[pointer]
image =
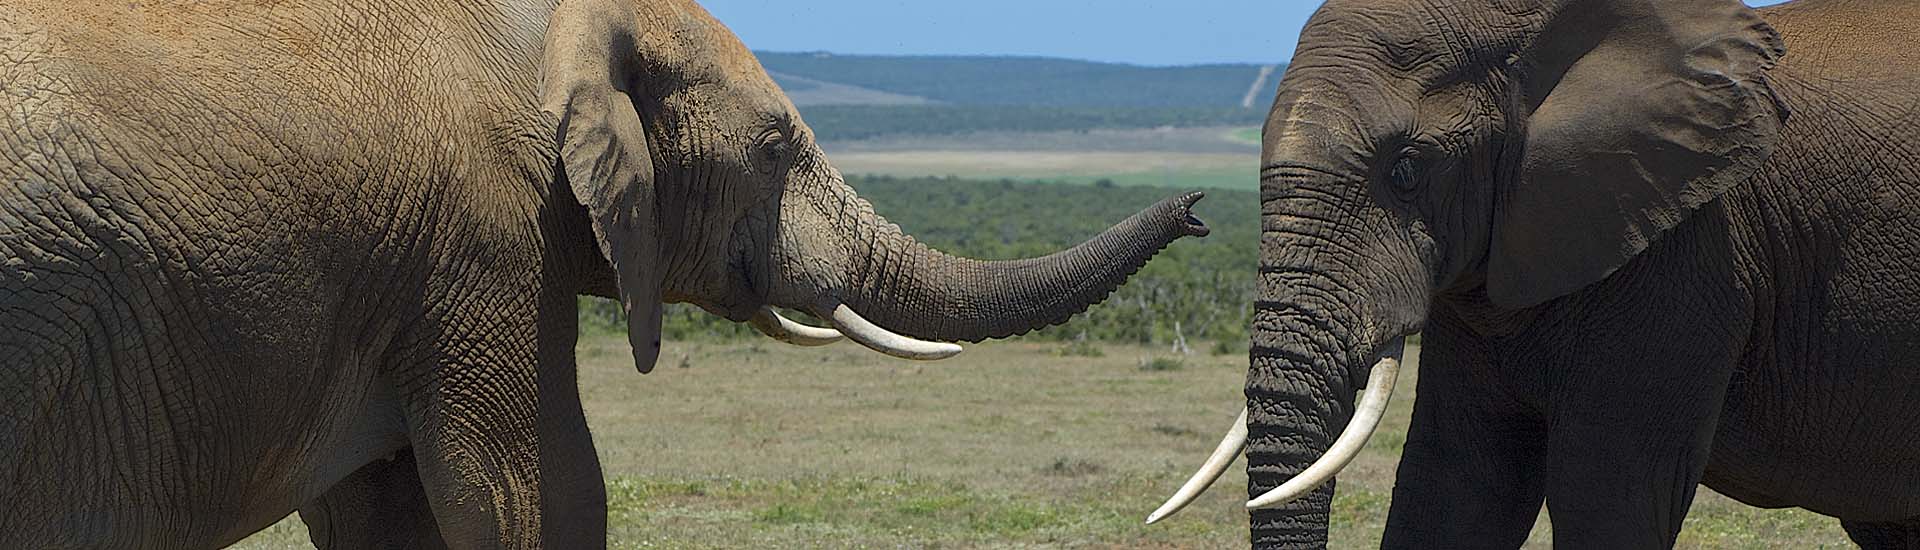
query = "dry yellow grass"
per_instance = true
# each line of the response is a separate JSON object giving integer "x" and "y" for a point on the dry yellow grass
{"x": 1010, "y": 445}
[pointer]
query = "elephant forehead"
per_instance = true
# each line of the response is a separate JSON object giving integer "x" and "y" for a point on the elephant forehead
{"x": 1422, "y": 35}
{"x": 684, "y": 38}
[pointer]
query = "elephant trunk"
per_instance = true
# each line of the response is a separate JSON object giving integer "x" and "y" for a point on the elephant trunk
{"x": 898, "y": 283}
{"x": 1298, "y": 397}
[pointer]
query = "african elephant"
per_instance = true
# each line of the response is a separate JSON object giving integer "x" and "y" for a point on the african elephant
{"x": 1648, "y": 245}
{"x": 251, "y": 248}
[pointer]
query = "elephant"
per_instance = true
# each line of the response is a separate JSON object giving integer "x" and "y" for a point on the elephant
{"x": 1647, "y": 245}
{"x": 260, "y": 256}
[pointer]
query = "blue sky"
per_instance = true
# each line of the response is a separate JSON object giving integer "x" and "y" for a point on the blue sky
{"x": 1149, "y": 32}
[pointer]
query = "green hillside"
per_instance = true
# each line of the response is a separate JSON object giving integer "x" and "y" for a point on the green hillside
{"x": 855, "y": 122}
{"x": 1034, "y": 81}
{"x": 1204, "y": 285}
{"x": 855, "y": 97}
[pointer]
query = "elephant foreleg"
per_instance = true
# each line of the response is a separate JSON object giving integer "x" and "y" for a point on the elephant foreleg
{"x": 1469, "y": 476}
{"x": 379, "y": 506}
{"x": 1631, "y": 430}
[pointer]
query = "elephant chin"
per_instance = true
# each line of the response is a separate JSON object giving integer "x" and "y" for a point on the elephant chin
{"x": 1366, "y": 418}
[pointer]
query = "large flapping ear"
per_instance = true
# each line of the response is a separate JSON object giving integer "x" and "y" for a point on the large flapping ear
{"x": 587, "y": 84}
{"x": 1646, "y": 109}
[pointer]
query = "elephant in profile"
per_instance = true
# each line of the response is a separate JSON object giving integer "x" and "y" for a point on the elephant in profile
{"x": 257, "y": 256}
{"x": 1648, "y": 245}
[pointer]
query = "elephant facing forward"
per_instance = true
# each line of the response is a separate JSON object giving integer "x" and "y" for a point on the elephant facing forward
{"x": 253, "y": 249}
{"x": 1649, "y": 244}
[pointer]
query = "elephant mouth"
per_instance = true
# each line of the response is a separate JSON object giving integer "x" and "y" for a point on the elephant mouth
{"x": 1366, "y": 417}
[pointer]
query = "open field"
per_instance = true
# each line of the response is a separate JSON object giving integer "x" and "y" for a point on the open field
{"x": 1147, "y": 168}
{"x": 1230, "y": 140}
{"x": 1010, "y": 445}
{"x": 1219, "y": 158}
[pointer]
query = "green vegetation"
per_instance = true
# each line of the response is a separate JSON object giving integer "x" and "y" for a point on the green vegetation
{"x": 1009, "y": 445}
{"x": 1162, "y": 364}
{"x": 1037, "y": 81}
{"x": 856, "y": 122}
{"x": 1204, "y": 287}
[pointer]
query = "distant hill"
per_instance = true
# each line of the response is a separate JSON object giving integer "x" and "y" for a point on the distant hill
{"x": 807, "y": 91}
{"x": 1032, "y": 81}
{"x": 850, "y": 97}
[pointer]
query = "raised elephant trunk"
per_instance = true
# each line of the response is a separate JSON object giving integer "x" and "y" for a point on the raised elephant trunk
{"x": 905, "y": 286}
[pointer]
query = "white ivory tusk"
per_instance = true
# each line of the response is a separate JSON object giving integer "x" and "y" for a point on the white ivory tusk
{"x": 884, "y": 341}
{"x": 1229, "y": 449}
{"x": 1366, "y": 417}
{"x": 778, "y": 327}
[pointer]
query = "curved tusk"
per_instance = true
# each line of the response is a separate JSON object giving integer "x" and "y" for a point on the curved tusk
{"x": 1229, "y": 449}
{"x": 885, "y": 341}
{"x": 778, "y": 327}
{"x": 1373, "y": 404}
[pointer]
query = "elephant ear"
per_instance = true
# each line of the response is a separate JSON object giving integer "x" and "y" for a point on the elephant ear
{"x": 1642, "y": 110}
{"x": 587, "y": 84}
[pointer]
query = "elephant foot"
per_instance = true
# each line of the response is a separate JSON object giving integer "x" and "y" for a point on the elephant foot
{"x": 1900, "y": 535}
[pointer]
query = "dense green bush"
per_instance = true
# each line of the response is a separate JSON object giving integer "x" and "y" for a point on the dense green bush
{"x": 1203, "y": 286}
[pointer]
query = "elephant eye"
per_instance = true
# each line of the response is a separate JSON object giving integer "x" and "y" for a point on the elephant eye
{"x": 774, "y": 144}
{"x": 1405, "y": 175}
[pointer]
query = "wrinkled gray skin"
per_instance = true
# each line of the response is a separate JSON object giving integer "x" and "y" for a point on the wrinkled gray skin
{"x": 258, "y": 255}
{"x": 1650, "y": 244}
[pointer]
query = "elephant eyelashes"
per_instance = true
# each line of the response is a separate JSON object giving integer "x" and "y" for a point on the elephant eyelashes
{"x": 775, "y": 146}
{"x": 1405, "y": 176}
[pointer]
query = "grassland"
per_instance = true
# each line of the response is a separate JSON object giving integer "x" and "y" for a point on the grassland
{"x": 1010, "y": 445}
{"x": 1144, "y": 168}
{"x": 1211, "y": 157}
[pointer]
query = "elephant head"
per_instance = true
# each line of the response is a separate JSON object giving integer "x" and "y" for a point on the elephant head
{"x": 1500, "y": 154}
{"x": 704, "y": 186}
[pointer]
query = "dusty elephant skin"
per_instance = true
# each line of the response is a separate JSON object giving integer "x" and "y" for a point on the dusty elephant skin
{"x": 1649, "y": 244}
{"x": 260, "y": 256}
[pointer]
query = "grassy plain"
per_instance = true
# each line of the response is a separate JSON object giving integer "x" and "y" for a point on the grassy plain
{"x": 1221, "y": 158}
{"x": 1010, "y": 445}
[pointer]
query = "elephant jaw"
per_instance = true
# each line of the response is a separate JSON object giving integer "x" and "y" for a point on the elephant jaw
{"x": 1366, "y": 418}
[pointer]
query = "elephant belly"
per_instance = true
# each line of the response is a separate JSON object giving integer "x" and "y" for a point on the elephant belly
{"x": 1840, "y": 438}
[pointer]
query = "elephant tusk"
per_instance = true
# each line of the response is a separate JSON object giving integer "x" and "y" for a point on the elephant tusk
{"x": 884, "y": 341}
{"x": 772, "y": 324}
{"x": 1229, "y": 449}
{"x": 1373, "y": 404}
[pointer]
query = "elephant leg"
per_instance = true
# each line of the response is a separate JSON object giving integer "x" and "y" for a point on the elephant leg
{"x": 1469, "y": 475}
{"x": 502, "y": 444}
{"x": 1631, "y": 430}
{"x": 1901, "y": 535}
{"x": 379, "y": 506}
